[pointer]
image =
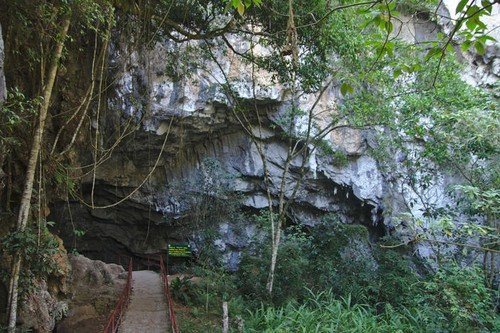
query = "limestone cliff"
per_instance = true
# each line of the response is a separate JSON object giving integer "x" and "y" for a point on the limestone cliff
{"x": 185, "y": 121}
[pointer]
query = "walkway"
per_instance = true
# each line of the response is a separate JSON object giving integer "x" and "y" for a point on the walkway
{"x": 147, "y": 311}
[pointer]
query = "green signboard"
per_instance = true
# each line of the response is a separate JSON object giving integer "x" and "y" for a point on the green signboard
{"x": 179, "y": 250}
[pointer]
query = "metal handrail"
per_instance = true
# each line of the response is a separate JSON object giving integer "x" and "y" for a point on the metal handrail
{"x": 166, "y": 289}
{"x": 115, "y": 317}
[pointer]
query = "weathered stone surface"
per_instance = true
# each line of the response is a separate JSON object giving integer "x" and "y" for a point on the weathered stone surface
{"x": 41, "y": 309}
{"x": 196, "y": 113}
{"x": 190, "y": 106}
{"x": 94, "y": 287}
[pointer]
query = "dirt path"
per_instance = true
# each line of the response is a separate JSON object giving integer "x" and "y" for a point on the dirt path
{"x": 147, "y": 311}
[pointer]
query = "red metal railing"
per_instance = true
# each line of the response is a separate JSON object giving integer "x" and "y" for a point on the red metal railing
{"x": 117, "y": 314}
{"x": 170, "y": 301}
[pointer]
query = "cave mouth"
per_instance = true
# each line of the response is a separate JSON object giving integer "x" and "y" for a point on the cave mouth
{"x": 352, "y": 210}
{"x": 134, "y": 229}
{"x": 128, "y": 230}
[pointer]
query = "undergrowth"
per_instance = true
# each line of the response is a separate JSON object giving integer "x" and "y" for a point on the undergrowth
{"x": 331, "y": 280}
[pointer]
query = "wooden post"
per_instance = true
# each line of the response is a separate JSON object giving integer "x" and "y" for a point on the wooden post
{"x": 225, "y": 318}
{"x": 168, "y": 254}
{"x": 241, "y": 324}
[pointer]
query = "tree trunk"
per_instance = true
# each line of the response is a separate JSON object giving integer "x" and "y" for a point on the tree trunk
{"x": 25, "y": 204}
{"x": 225, "y": 318}
{"x": 274, "y": 255}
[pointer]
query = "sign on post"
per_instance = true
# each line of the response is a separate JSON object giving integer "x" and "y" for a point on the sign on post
{"x": 179, "y": 250}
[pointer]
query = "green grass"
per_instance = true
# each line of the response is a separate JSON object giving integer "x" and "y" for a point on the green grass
{"x": 324, "y": 313}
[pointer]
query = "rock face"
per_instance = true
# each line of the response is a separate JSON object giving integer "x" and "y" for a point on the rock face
{"x": 482, "y": 70}
{"x": 41, "y": 310}
{"x": 78, "y": 298}
{"x": 192, "y": 138}
{"x": 46, "y": 304}
{"x": 207, "y": 154}
{"x": 94, "y": 287}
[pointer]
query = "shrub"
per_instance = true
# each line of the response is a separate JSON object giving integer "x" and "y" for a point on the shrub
{"x": 324, "y": 313}
{"x": 342, "y": 260}
{"x": 292, "y": 269}
{"x": 461, "y": 297}
{"x": 37, "y": 249}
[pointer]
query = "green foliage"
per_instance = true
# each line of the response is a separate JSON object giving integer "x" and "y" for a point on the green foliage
{"x": 204, "y": 295}
{"x": 15, "y": 112}
{"x": 324, "y": 313}
{"x": 340, "y": 158}
{"x": 384, "y": 290}
{"x": 37, "y": 249}
{"x": 471, "y": 19}
{"x": 333, "y": 256}
{"x": 451, "y": 128}
{"x": 242, "y": 5}
{"x": 382, "y": 82}
{"x": 340, "y": 259}
{"x": 63, "y": 182}
{"x": 452, "y": 300}
{"x": 460, "y": 296}
{"x": 343, "y": 260}
{"x": 291, "y": 269}
{"x": 181, "y": 289}
{"x": 485, "y": 202}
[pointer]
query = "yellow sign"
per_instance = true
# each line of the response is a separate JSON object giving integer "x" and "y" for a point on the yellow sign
{"x": 179, "y": 250}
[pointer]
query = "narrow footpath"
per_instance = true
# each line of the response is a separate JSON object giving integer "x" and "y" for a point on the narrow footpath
{"x": 147, "y": 311}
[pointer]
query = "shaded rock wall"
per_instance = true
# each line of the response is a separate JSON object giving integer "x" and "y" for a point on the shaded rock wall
{"x": 94, "y": 288}
{"x": 185, "y": 118}
{"x": 193, "y": 114}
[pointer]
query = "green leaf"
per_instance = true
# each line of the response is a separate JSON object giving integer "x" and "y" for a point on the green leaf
{"x": 473, "y": 11}
{"x": 479, "y": 46}
{"x": 346, "y": 88}
{"x": 433, "y": 52}
{"x": 417, "y": 67}
{"x": 487, "y": 6}
{"x": 390, "y": 48}
{"x": 397, "y": 72}
{"x": 465, "y": 45}
{"x": 389, "y": 27}
{"x": 471, "y": 24}
{"x": 241, "y": 8}
{"x": 485, "y": 38}
{"x": 461, "y": 6}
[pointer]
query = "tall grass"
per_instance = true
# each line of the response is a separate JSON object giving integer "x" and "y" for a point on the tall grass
{"x": 323, "y": 313}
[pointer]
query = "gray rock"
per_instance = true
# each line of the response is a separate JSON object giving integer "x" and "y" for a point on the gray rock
{"x": 199, "y": 117}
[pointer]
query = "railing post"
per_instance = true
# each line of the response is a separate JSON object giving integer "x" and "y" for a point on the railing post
{"x": 117, "y": 314}
{"x": 171, "y": 313}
